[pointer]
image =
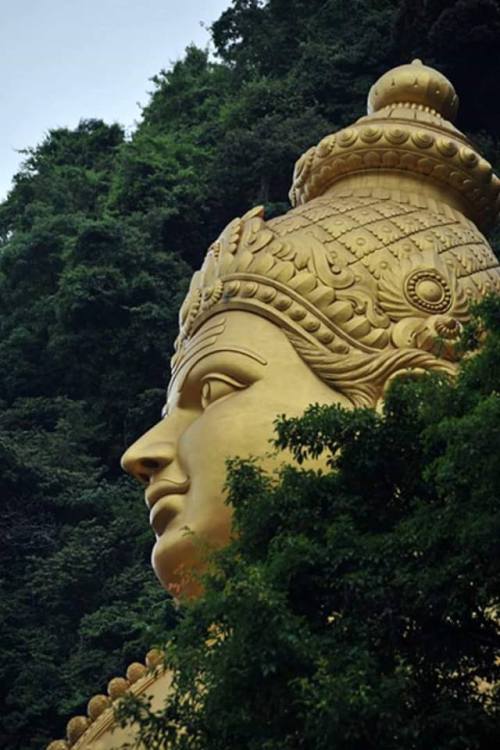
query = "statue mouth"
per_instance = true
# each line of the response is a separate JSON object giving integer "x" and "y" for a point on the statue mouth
{"x": 164, "y": 498}
{"x": 161, "y": 487}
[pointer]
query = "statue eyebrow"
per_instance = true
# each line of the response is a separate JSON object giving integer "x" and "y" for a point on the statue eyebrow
{"x": 206, "y": 336}
{"x": 209, "y": 330}
{"x": 199, "y": 354}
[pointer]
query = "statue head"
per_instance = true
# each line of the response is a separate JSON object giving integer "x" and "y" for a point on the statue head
{"x": 371, "y": 274}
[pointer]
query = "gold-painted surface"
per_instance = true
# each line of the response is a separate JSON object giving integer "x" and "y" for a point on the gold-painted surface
{"x": 75, "y": 728}
{"x": 154, "y": 658}
{"x": 99, "y": 730}
{"x": 97, "y": 705}
{"x": 105, "y": 734}
{"x": 415, "y": 84}
{"x": 135, "y": 671}
{"x": 239, "y": 373}
{"x": 405, "y": 143}
{"x": 369, "y": 277}
{"x": 117, "y": 687}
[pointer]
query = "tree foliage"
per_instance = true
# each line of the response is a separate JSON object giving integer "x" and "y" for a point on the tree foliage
{"x": 98, "y": 238}
{"x": 88, "y": 316}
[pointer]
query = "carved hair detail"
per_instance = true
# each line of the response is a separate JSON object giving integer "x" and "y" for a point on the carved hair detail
{"x": 360, "y": 377}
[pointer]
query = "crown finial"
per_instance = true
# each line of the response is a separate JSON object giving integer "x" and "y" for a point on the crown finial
{"x": 414, "y": 83}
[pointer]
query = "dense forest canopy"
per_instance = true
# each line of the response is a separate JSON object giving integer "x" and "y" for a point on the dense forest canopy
{"x": 98, "y": 239}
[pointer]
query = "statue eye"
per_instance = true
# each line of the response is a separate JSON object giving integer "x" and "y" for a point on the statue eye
{"x": 215, "y": 387}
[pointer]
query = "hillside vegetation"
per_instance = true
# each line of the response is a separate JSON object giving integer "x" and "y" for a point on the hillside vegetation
{"x": 98, "y": 238}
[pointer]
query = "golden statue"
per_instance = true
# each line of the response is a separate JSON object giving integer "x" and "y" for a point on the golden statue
{"x": 371, "y": 274}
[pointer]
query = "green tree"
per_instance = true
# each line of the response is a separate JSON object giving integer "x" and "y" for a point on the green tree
{"x": 98, "y": 238}
{"x": 77, "y": 599}
{"x": 88, "y": 318}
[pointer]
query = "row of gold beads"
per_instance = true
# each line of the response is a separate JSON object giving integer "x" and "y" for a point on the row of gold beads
{"x": 117, "y": 687}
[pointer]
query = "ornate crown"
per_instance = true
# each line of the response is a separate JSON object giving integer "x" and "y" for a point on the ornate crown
{"x": 374, "y": 269}
{"x": 361, "y": 285}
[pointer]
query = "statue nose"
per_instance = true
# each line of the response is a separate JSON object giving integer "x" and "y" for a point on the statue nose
{"x": 145, "y": 458}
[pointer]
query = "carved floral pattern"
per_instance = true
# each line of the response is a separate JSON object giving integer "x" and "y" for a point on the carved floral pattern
{"x": 404, "y": 137}
{"x": 421, "y": 284}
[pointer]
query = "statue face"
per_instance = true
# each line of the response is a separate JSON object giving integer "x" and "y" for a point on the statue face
{"x": 238, "y": 373}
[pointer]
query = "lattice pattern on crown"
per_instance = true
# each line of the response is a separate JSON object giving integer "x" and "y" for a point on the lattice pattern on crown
{"x": 344, "y": 272}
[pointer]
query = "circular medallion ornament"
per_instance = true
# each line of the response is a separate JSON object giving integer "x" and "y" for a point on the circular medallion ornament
{"x": 429, "y": 291}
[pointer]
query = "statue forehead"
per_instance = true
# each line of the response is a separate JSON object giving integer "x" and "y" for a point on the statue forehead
{"x": 226, "y": 335}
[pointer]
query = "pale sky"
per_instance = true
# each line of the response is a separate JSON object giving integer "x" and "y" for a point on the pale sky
{"x": 64, "y": 60}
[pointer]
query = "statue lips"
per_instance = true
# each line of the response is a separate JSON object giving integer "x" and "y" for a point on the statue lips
{"x": 164, "y": 499}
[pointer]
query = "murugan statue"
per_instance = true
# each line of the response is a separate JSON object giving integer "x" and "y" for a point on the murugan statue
{"x": 370, "y": 275}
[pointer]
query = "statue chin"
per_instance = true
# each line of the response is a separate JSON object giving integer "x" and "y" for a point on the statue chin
{"x": 176, "y": 568}
{"x": 178, "y": 556}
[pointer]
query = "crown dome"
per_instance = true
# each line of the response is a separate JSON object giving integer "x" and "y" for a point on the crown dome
{"x": 414, "y": 83}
